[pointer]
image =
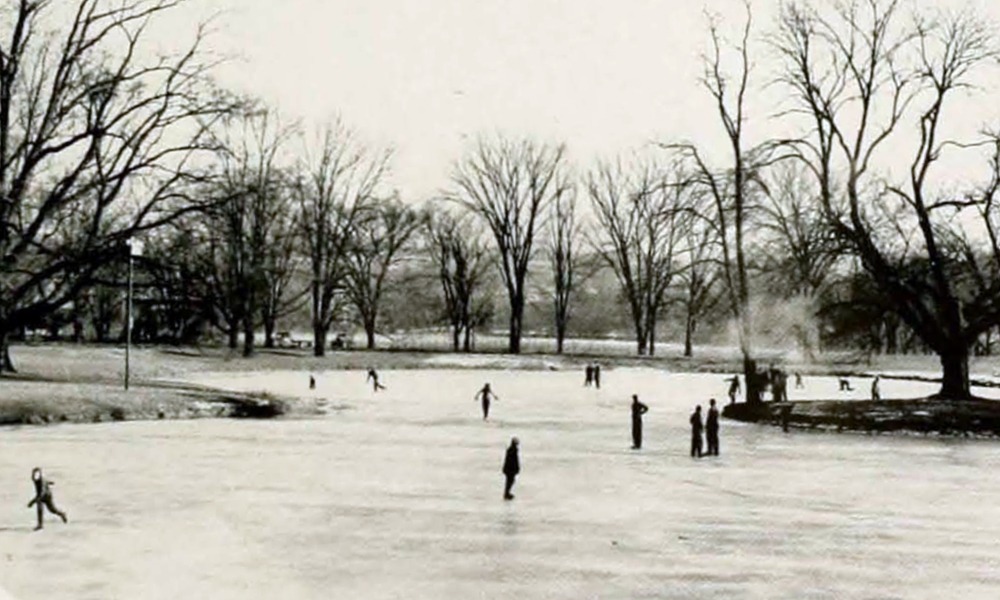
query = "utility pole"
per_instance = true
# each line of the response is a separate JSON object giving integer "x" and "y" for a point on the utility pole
{"x": 134, "y": 249}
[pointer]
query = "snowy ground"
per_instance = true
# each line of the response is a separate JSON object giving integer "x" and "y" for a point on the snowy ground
{"x": 398, "y": 495}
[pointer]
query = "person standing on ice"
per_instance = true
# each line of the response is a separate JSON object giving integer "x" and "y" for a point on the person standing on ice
{"x": 588, "y": 374}
{"x": 485, "y": 393}
{"x": 638, "y": 409}
{"x": 734, "y": 388}
{"x": 876, "y": 395}
{"x": 43, "y": 498}
{"x": 312, "y": 382}
{"x": 712, "y": 429}
{"x": 696, "y": 429}
{"x": 511, "y": 467}
{"x": 597, "y": 376}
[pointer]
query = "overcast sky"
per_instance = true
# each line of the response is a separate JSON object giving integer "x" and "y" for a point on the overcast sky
{"x": 425, "y": 76}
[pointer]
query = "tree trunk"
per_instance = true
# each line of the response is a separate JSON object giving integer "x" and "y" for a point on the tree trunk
{"x": 688, "y": 335}
{"x": 319, "y": 339}
{"x": 269, "y": 326}
{"x": 753, "y": 385}
{"x": 560, "y": 335}
{"x": 370, "y": 334}
{"x": 6, "y": 364}
{"x": 467, "y": 342}
{"x": 234, "y": 336}
{"x": 955, "y": 379}
{"x": 248, "y": 336}
{"x": 516, "y": 314}
{"x": 456, "y": 336}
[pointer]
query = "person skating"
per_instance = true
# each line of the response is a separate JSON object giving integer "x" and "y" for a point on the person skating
{"x": 511, "y": 467}
{"x": 588, "y": 374}
{"x": 696, "y": 429}
{"x": 312, "y": 382}
{"x": 638, "y": 409}
{"x": 597, "y": 375}
{"x": 43, "y": 498}
{"x": 876, "y": 394}
{"x": 798, "y": 381}
{"x": 712, "y": 429}
{"x": 485, "y": 393}
{"x": 373, "y": 377}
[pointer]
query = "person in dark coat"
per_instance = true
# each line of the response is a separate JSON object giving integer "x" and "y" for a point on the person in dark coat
{"x": 734, "y": 388}
{"x": 511, "y": 467}
{"x": 876, "y": 394}
{"x": 696, "y": 429}
{"x": 638, "y": 409}
{"x": 597, "y": 376}
{"x": 43, "y": 498}
{"x": 712, "y": 429}
{"x": 588, "y": 375}
{"x": 312, "y": 382}
{"x": 373, "y": 377}
{"x": 485, "y": 393}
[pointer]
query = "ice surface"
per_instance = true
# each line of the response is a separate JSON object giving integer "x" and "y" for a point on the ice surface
{"x": 398, "y": 495}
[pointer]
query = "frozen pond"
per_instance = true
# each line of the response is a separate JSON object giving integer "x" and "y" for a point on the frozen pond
{"x": 398, "y": 495}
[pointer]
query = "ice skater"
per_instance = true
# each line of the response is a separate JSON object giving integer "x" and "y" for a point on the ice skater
{"x": 712, "y": 429}
{"x": 43, "y": 498}
{"x": 638, "y": 409}
{"x": 734, "y": 388}
{"x": 696, "y": 429}
{"x": 485, "y": 393}
{"x": 588, "y": 374}
{"x": 798, "y": 381}
{"x": 876, "y": 395}
{"x": 845, "y": 385}
{"x": 373, "y": 377}
{"x": 511, "y": 467}
{"x": 597, "y": 375}
{"x": 312, "y": 382}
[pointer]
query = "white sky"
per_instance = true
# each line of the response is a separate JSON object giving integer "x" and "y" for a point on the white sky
{"x": 425, "y": 76}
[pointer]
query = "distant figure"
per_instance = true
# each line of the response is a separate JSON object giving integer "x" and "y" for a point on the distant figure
{"x": 712, "y": 429}
{"x": 43, "y": 498}
{"x": 786, "y": 415}
{"x": 511, "y": 467}
{"x": 845, "y": 385}
{"x": 589, "y": 375}
{"x": 876, "y": 396}
{"x": 696, "y": 429}
{"x": 638, "y": 409}
{"x": 734, "y": 388}
{"x": 312, "y": 382}
{"x": 779, "y": 385}
{"x": 597, "y": 375}
{"x": 798, "y": 381}
{"x": 373, "y": 377}
{"x": 486, "y": 392}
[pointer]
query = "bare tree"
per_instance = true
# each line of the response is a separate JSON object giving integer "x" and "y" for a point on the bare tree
{"x": 641, "y": 222}
{"x": 509, "y": 185}
{"x": 377, "y": 246}
{"x": 339, "y": 181}
{"x": 700, "y": 274}
{"x": 564, "y": 235}
{"x": 282, "y": 264}
{"x": 801, "y": 249}
{"x": 96, "y": 144}
{"x": 733, "y": 189}
{"x": 871, "y": 84}
{"x": 461, "y": 261}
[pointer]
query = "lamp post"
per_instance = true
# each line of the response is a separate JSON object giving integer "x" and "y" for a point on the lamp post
{"x": 134, "y": 249}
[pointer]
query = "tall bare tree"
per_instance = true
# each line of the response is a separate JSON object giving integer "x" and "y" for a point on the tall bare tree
{"x": 340, "y": 180}
{"x": 563, "y": 250}
{"x": 872, "y": 82}
{"x": 509, "y": 185}
{"x": 461, "y": 260}
{"x": 378, "y": 245}
{"x": 641, "y": 219}
{"x": 733, "y": 189}
{"x": 96, "y": 144}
